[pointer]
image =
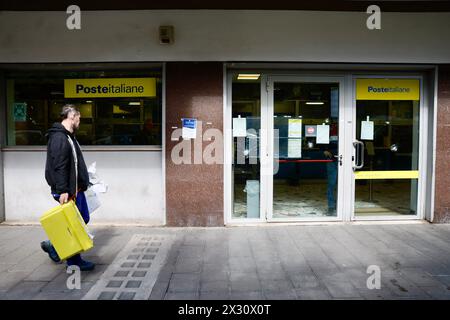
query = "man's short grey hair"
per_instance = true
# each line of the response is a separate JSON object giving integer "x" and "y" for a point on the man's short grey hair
{"x": 67, "y": 109}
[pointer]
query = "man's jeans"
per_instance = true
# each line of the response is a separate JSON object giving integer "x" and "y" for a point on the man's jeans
{"x": 332, "y": 182}
{"x": 82, "y": 207}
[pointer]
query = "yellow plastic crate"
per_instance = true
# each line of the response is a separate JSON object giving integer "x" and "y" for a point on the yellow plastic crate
{"x": 66, "y": 230}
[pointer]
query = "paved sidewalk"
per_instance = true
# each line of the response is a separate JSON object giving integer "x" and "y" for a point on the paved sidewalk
{"x": 267, "y": 262}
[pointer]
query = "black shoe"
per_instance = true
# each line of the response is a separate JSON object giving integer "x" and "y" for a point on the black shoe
{"x": 85, "y": 265}
{"x": 48, "y": 248}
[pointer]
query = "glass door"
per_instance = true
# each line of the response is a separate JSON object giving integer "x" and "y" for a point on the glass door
{"x": 304, "y": 142}
{"x": 324, "y": 148}
{"x": 386, "y": 148}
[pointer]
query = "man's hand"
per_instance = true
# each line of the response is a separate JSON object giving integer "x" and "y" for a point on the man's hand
{"x": 63, "y": 198}
{"x": 328, "y": 154}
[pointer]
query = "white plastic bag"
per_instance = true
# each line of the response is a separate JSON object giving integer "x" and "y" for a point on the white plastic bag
{"x": 98, "y": 185}
{"x": 93, "y": 202}
{"x": 92, "y": 170}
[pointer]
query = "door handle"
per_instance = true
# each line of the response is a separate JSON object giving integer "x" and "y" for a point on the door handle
{"x": 359, "y": 155}
{"x": 340, "y": 159}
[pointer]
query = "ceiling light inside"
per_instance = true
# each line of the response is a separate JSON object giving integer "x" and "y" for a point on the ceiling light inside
{"x": 315, "y": 102}
{"x": 248, "y": 76}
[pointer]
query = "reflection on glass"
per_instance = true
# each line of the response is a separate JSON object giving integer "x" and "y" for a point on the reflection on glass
{"x": 246, "y": 113}
{"x": 394, "y": 147}
{"x": 305, "y": 185}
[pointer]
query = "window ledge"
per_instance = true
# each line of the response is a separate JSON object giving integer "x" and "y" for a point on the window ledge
{"x": 85, "y": 148}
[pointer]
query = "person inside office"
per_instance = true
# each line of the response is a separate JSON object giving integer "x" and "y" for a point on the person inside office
{"x": 331, "y": 153}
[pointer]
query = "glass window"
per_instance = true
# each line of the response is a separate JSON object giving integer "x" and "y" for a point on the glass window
{"x": 35, "y": 99}
{"x": 246, "y": 113}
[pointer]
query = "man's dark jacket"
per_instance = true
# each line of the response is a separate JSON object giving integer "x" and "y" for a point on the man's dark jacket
{"x": 60, "y": 165}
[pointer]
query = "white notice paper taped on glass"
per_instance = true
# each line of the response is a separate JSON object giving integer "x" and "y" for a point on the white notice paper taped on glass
{"x": 295, "y": 128}
{"x": 294, "y": 148}
{"x": 239, "y": 127}
{"x": 323, "y": 134}
{"x": 367, "y": 130}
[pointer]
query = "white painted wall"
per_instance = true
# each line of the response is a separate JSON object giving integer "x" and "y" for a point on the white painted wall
{"x": 134, "y": 178}
{"x": 229, "y": 35}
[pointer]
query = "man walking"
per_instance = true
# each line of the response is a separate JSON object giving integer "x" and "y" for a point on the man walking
{"x": 66, "y": 174}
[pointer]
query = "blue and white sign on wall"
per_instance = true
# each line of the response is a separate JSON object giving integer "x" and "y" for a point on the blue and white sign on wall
{"x": 20, "y": 112}
{"x": 189, "y": 128}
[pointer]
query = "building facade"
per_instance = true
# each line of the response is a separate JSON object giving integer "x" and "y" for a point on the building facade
{"x": 300, "y": 115}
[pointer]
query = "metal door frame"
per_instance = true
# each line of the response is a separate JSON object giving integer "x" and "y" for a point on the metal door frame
{"x": 268, "y": 188}
{"x": 422, "y": 156}
{"x": 347, "y": 132}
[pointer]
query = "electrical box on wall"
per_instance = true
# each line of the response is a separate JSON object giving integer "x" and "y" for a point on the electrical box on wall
{"x": 166, "y": 34}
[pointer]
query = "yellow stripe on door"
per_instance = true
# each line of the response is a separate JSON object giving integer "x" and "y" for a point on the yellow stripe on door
{"x": 406, "y": 174}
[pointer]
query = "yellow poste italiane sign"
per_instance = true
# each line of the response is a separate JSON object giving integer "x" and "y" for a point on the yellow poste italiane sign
{"x": 387, "y": 89}
{"x": 110, "y": 88}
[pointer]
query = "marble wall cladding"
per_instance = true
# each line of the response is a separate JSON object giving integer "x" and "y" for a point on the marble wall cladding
{"x": 194, "y": 192}
{"x": 442, "y": 194}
